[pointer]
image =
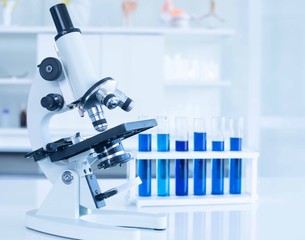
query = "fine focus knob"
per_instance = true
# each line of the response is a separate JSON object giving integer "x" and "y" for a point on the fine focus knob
{"x": 52, "y": 102}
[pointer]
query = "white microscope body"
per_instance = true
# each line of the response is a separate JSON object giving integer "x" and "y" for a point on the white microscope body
{"x": 65, "y": 84}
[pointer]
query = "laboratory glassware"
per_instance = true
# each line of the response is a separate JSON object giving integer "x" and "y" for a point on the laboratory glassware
{"x": 5, "y": 121}
{"x": 181, "y": 165}
{"x": 236, "y": 135}
{"x": 144, "y": 166}
{"x": 199, "y": 172}
{"x": 128, "y": 7}
{"x": 163, "y": 165}
{"x": 218, "y": 144}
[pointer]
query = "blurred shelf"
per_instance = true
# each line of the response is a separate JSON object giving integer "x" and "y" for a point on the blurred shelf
{"x": 196, "y": 83}
{"x": 123, "y": 30}
{"x": 15, "y": 81}
{"x": 277, "y": 122}
{"x": 14, "y": 140}
{"x": 13, "y": 132}
{"x": 26, "y": 30}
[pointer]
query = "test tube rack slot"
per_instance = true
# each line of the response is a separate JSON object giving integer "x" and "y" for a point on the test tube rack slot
{"x": 249, "y": 194}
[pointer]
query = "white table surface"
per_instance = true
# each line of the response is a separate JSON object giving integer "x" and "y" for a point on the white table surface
{"x": 279, "y": 214}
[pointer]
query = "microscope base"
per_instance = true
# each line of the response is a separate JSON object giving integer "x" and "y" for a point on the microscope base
{"x": 103, "y": 223}
{"x": 78, "y": 229}
{"x": 127, "y": 219}
{"x": 61, "y": 214}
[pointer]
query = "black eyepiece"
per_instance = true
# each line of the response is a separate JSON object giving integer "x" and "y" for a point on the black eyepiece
{"x": 62, "y": 20}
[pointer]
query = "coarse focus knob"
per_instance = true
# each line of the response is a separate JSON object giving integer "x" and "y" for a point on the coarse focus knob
{"x": 52, "y": 102}
{"x": 50, "y": 69}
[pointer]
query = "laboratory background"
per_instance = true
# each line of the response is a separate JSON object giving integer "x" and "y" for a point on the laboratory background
{"x": 233, "y": 58}
{"x": 251, "y": 66}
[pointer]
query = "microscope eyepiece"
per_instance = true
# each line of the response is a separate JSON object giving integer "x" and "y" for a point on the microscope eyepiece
{"x": 62, "y": 20}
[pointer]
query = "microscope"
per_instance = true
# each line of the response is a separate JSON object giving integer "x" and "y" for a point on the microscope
{"x": 72, "y": 209}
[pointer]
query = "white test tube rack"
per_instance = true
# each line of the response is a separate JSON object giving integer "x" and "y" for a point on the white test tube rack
{"x": 249, "y": 179}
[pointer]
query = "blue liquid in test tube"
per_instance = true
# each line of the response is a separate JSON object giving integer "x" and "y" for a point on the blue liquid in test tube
{"x": 199, "y": 164}
{"x": 181, "y": 170}
{"x": 235, "y": 166}
{"x": 163, "y": 165}
{"x": 144, "y": 166}
{"x": 217, "y": 169}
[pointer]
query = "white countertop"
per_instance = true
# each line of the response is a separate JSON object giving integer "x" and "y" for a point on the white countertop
{"x": 278, "y": 215}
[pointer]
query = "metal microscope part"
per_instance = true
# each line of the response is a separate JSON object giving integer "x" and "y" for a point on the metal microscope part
{"x": 50, "y": 69}
{"x": 82, "y": 78}
{"x": 124, "y": 102}
{"x": 92, "y": 103}
{"x": 109, "y": 100}
{"x": 104, "y": 92}
{"x": 52, "y": 147}
{"x": 119, "y": 132}
{"x": 67, "y": 210}
{"x": 52, "y": 102}
{"x": 109, "y": 193}
{"x": 62, "y": 20}
{"x": 95, "y": 190}
{"x": 96, "y": 115}
{"x": 111, "y": 154}
{"x": 96, "y": 87}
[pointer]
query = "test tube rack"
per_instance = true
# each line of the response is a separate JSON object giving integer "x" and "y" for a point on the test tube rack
{"x": 248, "y": 195}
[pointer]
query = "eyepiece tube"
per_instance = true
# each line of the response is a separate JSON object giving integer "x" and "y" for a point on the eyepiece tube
{"x": 62, "y": 20}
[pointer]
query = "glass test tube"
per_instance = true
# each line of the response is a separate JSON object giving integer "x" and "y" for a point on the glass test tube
{"x": 181, "y": 165}
{"x": 218, "y": 126}
{"x": 163, "y": 165}
{"x": 199, "y": 164}
{"x": 236, "y": 134}
{"x": 144, "y": 166}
